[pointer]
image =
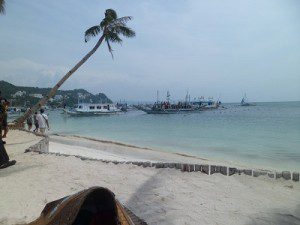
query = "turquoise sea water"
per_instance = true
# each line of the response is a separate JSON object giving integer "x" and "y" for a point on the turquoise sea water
{"x": 266, "y": 135}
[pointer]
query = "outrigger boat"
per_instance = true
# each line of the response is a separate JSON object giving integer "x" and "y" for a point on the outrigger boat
{"x": 245, "y": 102}
{"x": 187, "y": 106}
{"x": 89, "y": 109}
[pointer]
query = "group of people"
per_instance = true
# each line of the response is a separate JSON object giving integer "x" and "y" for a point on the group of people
{"x": 39, "y": 120}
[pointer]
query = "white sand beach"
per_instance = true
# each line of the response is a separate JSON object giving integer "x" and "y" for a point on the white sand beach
{"x": 159, "y": 196}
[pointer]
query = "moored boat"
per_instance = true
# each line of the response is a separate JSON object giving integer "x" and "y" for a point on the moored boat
{"x": 187, "y": 106}
{"x": 245, "y": 102}
{"x": 89, "y": 109}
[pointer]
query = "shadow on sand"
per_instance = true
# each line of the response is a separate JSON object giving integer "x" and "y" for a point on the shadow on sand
{"x": 15, "y": 169}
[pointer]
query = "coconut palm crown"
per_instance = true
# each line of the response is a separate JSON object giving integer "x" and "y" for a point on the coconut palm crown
{"x": 112, "y": 27}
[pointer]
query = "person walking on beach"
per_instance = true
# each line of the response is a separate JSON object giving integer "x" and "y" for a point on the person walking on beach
{"x": 29, "y": 121}
{"x": 4, "y": 158}
{"x": 4, "y": 106}
{"x": 36, "y": 122}
{"x": 42, "y": 119}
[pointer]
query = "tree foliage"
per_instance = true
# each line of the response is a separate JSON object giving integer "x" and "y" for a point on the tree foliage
{"x": 2, "y": 6}
{"x": 112, "y": 27}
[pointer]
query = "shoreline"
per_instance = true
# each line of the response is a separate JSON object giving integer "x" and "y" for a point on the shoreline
{"x": 194, "y": 158}
{"x": 127, "y": 145}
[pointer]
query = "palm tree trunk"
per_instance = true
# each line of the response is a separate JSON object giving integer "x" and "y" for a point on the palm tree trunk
{"x": 42, "y": 102}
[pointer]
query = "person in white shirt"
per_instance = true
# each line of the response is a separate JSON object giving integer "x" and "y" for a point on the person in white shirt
{"x": 42, "y": 119}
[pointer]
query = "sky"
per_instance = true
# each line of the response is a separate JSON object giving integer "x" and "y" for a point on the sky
{"x": 209, "y": 48}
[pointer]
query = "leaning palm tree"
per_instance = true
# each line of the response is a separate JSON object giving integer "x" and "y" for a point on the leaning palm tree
{"x": 2, "y": 6}
{"x": 110, "y": 28}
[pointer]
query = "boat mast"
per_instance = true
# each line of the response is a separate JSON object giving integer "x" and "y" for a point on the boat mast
{"x": 168, "y": 96}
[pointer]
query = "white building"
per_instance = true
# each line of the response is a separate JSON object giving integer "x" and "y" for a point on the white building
{"x": 19, "y": 94}
{"x": 36, "y": 95}
{"x": 58, "y": 97}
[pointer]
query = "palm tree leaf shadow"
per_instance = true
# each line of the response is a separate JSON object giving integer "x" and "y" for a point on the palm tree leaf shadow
{"x": 16, "y": 169}
{"x": 146, "y": 196}
{"x": 277, "y": 218}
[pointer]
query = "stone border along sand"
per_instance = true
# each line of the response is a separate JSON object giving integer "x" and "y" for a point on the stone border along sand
{"x": 43, "y": 147}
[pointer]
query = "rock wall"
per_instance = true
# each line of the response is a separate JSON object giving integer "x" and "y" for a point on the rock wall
{"x": 43, "y": 147}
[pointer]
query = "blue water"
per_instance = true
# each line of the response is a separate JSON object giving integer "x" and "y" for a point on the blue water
{"x": 266, "y": 135}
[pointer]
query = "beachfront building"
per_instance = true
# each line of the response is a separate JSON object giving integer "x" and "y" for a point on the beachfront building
{"x": 58, "y": 97}
{"x": 36, "y": 95}
{"x": 18, "y": 94}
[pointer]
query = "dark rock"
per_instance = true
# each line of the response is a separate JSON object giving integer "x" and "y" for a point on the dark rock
{"x": 223, "y": 170}
{"x": 185, "y": 168}
{"x": 212, "y": 169}
{"x": 165, "y": 165}
{"x": 286, "y": 175}
{"x": 295, "y": 176}
{"x": 263, "y": 173}
{"x": 171, "y": 165}
{"x": 178, "y": 166}
{"x": 271, "y": 175}
{"x": 146, "y": 164}
{"x": 232, "y": 171}
{"x": 159, "y": 165}
{"x": 191, "y": 167}
{"x": 197, "y": 167}
{"x": 205, "y": 169}
{"x": 256, "y": 173}
{"x": 248, "y": 172}
{"x": 278, "y": 175}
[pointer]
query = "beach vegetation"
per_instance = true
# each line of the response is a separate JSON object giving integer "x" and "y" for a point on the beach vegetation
{"x": 110, "y": 30}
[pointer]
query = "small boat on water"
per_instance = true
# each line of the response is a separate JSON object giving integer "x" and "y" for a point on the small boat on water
{"x": 186, "y": 106}
{"x": 13, "y": 112}
{"x": 90, "y": 109}
{"x": 245, "y": 102}
{"x": 167, "y": 108}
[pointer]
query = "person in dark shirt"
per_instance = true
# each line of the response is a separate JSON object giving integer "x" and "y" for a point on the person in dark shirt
{"x": 4, "y": 158}
{"x": 3, "y": 115}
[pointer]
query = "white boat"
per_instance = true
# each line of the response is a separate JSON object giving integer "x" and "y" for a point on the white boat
{"x": 93, "y": 109}
{"x": 13, "y": 112}
{"x": 245, "y": 102}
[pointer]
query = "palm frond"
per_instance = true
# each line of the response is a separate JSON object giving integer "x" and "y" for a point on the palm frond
{"x": 125, "y": 31}
{"x": 2, "y": 7}
{"x": 109, "y": 48}
{"x": 119, "y": 21}
{"x": 92, "y": 32}
{"x": 113, "y": 37}
{"x": 123, "y": 19}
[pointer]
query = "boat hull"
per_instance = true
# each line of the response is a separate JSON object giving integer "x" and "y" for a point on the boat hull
{"x": 76, "y": 113}
{"x": 170, "y": 111}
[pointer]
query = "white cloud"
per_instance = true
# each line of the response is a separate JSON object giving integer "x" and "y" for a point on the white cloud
{"x": 25, "y": 72}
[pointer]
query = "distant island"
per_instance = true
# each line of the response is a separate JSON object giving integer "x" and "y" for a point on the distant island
{"x": 28, "y": 96}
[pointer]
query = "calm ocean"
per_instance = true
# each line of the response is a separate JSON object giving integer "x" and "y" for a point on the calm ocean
{"x": 266, "y": 135}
